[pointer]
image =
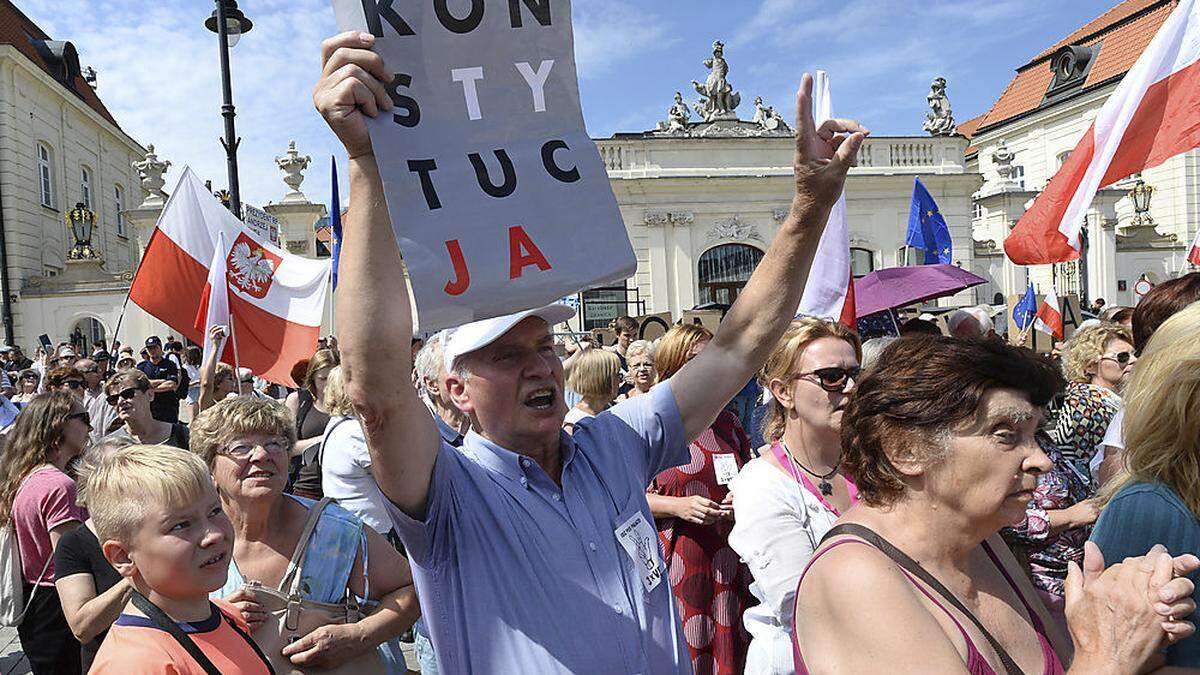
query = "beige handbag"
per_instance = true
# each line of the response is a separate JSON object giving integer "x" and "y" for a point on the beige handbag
{"x": 290, "y": 617}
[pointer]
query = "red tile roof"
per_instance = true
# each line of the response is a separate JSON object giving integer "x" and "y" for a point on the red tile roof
{"x": 18, "y": 30}
{"x": 1125, "y": 31}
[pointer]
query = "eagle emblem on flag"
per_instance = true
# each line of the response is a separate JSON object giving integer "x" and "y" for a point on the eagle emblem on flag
{"x": 251, "y": 267}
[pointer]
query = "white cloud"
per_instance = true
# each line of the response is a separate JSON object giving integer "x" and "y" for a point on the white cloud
{"x": 611, "y": 32}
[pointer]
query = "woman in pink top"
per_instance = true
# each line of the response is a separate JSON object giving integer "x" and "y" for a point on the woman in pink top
{"x": 38, "y": 498}
{"x": 941, "y": 438}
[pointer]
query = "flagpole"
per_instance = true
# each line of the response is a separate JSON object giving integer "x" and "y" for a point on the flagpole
{"x": 236, "y": 363}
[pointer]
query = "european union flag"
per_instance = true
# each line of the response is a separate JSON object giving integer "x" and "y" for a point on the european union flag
{"x": 1025, "y": 310}
{"x": 335, "y": 225}
{"x": 927, "y": 228}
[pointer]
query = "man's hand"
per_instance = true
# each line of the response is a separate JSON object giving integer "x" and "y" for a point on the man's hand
{"x": 217, "y": 334}
{"x": 351, "y": 86}
{"x": 824, "y": 154}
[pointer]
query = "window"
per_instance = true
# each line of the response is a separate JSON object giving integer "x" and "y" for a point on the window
{"x": 1061, "y": 158}
{"x": 862, "y": 262}
{"x": 119, "y": 200}
{"x": 45, "y": 175}
{"x": 85, "y": 187}
{"x": 1018, "y": 176}
{"x": 724, "y": 271}
{"x": 977, "y": 210}
{"x": 602, "y": 305}
{"x": 909, "y": 256}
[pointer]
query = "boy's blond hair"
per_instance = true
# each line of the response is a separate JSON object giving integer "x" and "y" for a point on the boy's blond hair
{"x": 123, "y": 486}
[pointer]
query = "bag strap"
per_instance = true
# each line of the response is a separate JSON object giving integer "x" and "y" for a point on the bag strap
{"x": 295, "y": 566}
{"x": 36, "y": 584}
{"x": 912, "y": 566}
{"x": 164, "y": 622}
{"x": 325, "y": 439}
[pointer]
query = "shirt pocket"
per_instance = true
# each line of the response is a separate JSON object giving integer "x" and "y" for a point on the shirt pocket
{"x": 634, "y": 568}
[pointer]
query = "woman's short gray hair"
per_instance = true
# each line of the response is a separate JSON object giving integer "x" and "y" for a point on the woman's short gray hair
{"x": 638, "y": 347}
{"x": 429, "y": 359}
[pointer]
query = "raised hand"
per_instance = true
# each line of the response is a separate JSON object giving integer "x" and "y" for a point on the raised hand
{"x": 351, "y": 86}
{"x": 824, "y": 154}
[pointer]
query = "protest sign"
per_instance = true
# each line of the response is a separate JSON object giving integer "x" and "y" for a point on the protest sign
{"x": 261, "y": 223}
{"x": 708, "y": 318}
{"x": 498, "y": 197}
{"x": 1037, "y": 340}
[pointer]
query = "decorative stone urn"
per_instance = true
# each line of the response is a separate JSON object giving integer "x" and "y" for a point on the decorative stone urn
{"x": 150, "y": 171}
{"x": 293, "y": 165}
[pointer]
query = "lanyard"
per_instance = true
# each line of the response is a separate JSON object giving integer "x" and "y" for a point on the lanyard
{"x": 786, "y": 462}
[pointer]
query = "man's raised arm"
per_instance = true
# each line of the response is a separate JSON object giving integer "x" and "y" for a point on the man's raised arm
{"x": 768, "y": 303}
{"x": 373, "y": 303}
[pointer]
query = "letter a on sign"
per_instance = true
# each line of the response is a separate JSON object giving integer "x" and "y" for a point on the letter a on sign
{"x": 498, "y": 196}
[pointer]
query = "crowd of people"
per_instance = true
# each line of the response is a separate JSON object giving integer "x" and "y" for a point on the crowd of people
{"x": 772, "y": 497}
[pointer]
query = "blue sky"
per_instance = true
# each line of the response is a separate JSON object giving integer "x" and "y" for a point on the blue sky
{"x": 158, "y": 70}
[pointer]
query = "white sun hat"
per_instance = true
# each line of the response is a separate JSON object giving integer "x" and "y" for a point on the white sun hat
{"x": 473, "y": 336}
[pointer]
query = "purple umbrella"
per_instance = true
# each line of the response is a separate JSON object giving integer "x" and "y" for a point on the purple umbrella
{"x": 896, "y": 287}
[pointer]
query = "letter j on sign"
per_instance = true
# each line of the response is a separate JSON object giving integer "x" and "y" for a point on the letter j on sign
{"x": 498, "y": 196}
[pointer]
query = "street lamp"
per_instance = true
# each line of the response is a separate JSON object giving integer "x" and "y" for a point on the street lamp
{"x": 1141, "y": 194}
{"x": 82, "y": 221}
{"x": 229, "y": 23}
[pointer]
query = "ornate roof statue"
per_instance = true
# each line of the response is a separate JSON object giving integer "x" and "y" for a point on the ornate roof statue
{"x": 766, "y": 117}
{"x": 293, "y": 165}
{"x": 939, "y": 121}
{"x": 678, "y": 116}
{"x": 150, "y": 170}
{"x": 718, "y": 100}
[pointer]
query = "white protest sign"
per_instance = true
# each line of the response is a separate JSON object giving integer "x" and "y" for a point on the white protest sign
{"x": 498, "y": 197}
{"x": 261, "y": 223}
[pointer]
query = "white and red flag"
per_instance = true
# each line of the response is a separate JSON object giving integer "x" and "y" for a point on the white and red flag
{"x": 1194, "y": 254}
{"x": 1153, "y": 115}
{"x": 829, "y": 291}
{"x": 276, "y": 299}
{"x": 1049, "y": 318}
{"x": 214, "y": 306}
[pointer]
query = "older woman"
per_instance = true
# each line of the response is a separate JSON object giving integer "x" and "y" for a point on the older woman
{"x": 27, "y": 386}
{"x": 789, "y": 497}
{"x": 596, "y": 376}
{"x": 307, "y": 404}
{"x": 1096, "y": 361}
{"x": 38, "y": 499}
{"x": 693, "y": 511}
{"x": 639, "y": 356}
{"x": 246, "y": 442}
{"x": 1156, "y": 500}
{"x": 941, "y": 440}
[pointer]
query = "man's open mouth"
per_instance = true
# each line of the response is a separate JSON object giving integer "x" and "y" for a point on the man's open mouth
{"x": 541, "y": 399}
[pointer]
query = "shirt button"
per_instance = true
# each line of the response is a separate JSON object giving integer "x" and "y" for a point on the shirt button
{"x": 524, "y": 482}
{"x": 525, "y": 462}
{"x": 592, "y": 545}
{"x": 619, "y": 609}
{"x": 557, "y": 497}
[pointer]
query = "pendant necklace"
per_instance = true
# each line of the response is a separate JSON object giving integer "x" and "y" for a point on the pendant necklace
{"x": 824, "y": 485}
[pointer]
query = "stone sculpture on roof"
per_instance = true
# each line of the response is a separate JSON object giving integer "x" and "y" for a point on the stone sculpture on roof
{"x": 678, "y": 116}
{"x": 718, "y": 100}
{"x": 939, "y": 121}
{"x": 766, "y": 117}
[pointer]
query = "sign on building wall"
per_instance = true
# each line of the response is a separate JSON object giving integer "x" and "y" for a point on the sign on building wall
{"x": 498, "y": 196}
{"x": 261, "y": 223}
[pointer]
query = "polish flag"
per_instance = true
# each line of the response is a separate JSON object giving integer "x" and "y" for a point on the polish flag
{"x": 1194, "y": 254}
{"x": 276, "y": 299}
{"x": 1153, "y": 115}
{"x": 214, "y": 307}
{"x": 829, "y": 291}
{"x": 1049, "y": 316}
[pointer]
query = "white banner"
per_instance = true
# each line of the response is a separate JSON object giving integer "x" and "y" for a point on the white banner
{"x": 261, "y": 223}
{"x": 498, "y": 197}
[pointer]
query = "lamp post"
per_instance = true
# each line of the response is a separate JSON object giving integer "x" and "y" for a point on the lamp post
{"x": 228, "y": 22}
{"x": 82, "y": 221}
{"x": 1141, "y": 194}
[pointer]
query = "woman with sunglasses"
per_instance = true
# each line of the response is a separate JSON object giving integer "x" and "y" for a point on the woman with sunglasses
{"x": 130, "y": 393}
{"x": 246, "y": 443}
{"x": 1096, "y": 361}
{"x": 38, "y": 499}
{"x": 27, "y": 387}
{"x": 694, "y": 514}
{"x": 789, "y": 496}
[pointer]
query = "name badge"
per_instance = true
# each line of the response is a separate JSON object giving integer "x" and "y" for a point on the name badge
{"x": 640, "y": 541}
{"x": 726, "y": 468}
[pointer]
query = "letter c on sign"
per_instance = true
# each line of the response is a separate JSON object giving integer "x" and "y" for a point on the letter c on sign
{"x": 565, "y": 175}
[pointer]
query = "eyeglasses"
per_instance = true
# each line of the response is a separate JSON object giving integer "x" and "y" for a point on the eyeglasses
{"x": 89, "y": 371}
{"x": 82, "y": 417}
{"x": 243, "y": 450}
{"x": 73, "y": 384}
{"x": 832, "y": 379}
{"x": 1122, "y": 358}
{"x": 648, "y": 365}
{"x": 126, "y": 394}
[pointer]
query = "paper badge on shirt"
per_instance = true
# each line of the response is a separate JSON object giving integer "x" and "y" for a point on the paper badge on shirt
{"x": 726, "y": 468}
{"x": 641, "y": 543}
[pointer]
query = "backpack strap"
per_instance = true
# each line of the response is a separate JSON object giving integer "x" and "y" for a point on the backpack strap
{"x": 164, "y": 622}
{"x": 913, "y": 567}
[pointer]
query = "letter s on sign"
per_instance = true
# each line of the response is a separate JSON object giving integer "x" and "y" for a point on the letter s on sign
{"x": 408, "y": 111}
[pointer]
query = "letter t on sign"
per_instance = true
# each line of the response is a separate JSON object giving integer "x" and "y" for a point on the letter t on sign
{"x": 468, "y": 77}
{"x": 518, "y": 259}
{"x": 536, "y": 81}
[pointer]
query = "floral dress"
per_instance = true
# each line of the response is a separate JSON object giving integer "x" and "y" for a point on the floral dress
{"x": 1083, "y": 418}
{"x": 710, "y": 582}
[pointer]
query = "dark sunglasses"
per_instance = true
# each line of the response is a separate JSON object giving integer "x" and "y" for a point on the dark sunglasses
{"x": 82, "y": 417}
{"x": 74, "y": 384}
{"x": 832, "y": 379}
{"x": 89, "y": 371}
{"x": 126, "y": 394}
{"x": 1122, "y": 358}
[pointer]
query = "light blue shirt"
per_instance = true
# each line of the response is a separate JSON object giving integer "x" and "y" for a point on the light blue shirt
{"x": 518, "y": 576}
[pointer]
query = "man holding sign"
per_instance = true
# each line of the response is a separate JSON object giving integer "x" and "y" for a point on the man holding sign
{"x": 529, "y": 546}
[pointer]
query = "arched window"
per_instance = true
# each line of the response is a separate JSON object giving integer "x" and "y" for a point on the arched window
{"x": 119, "y": 201}
{"x": 45, "y": 175}
{"x": 85, "y": 187}
{"x": 86, "y": 333}
{"x": 724, "y": 271}
{"x": 862, "y": 262}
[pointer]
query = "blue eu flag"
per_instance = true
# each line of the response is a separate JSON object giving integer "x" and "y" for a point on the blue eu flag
{"x": 927, "y": 228}
{"x": 1025, "y": 310}
{"x": 335, "y": 225}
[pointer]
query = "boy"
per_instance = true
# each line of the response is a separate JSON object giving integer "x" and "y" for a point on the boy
{"x": 160, "y": 522}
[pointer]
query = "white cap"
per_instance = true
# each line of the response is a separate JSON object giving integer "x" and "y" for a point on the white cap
{"x": 473, "y": 336}
{"x": 244, "y": 374}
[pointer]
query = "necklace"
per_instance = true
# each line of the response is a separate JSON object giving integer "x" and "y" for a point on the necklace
{"x": 824, "y": 485}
